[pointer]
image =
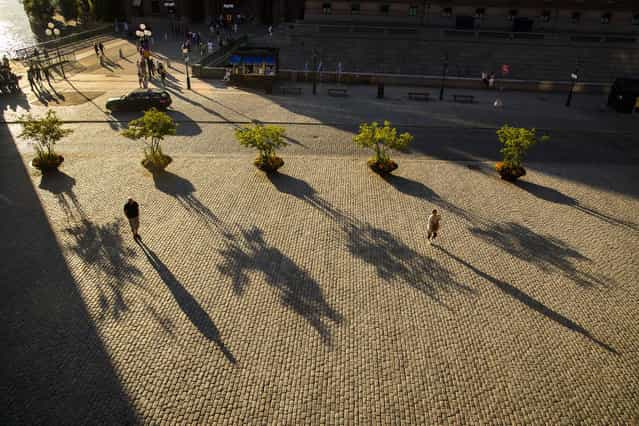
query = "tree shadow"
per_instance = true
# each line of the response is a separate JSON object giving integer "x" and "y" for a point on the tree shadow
{"x": 14, "y": 101}
{"x": 554, "y": 196}
{"x": 547, "y": 252}
{"x": 183, "y": 191}
{"x": 187, "y": 303}
{"x": 61, "y": 186}
{"x": 297, "y": 290}
{"x": 391, "y": 257}
{"x": 421, "y": 191}
{"x": 531, "y": 302}
{"x": 394, "y": 260}
{"x": 101, "y": 247}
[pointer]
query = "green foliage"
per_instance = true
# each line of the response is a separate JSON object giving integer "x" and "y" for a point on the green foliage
{"x": 516, "y": 141}
{"x": 46, "y": 132}
{"x": 263, "y": 138}
{"x": 381, "y": 139}
{"x": 40, "y": 10}
{"x": 69, "y": 8}
{"x": 152, "y": 128}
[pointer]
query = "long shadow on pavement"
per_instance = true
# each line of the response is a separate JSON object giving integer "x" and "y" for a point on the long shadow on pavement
{"x": 54, "y": 366}
{"x": 531, "y": 302}
{"x": 187, "y": 303}
{"x": 554, "y": 196}
{"x": 549, "y": 253}
{"x": 391, "y": 258}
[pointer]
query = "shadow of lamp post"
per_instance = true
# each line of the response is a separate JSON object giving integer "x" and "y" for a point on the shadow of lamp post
{"x": 54, "y": 32}
{"x": 444, "y": 69}
{"x": 185, "y": 53}
{"x": 573, "y": 80}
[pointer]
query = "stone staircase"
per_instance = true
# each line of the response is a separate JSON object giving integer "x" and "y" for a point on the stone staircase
{"x": 422, "y": 53}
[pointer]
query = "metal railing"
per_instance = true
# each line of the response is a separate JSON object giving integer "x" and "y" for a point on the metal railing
{"x": 51, "y": 45}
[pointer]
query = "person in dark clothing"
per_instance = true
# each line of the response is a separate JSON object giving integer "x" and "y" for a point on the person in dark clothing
{"x": 47, "y": 75}
{"x": 101, "y": 46}
{"x": 97, "y": 49}
{"x": 38, "y": 74}
{"x": 151, "y": 67}
{"x": 132, "y": 213}
{"x": 30, "y": 78}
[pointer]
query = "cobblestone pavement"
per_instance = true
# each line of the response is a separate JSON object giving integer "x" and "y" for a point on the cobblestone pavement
{"x": 313, "y": 297}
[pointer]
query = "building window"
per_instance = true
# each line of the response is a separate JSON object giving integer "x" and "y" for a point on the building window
{"x": 575, "y": 17}
{"x": 545, "y": 16}
{"x": 512, "y": 14}
{"x": 412, "y": 10}
{"x": 155, "y": 6}
{"x": 355, "y": 8}
{"x": 384, "y": 9}
{"x": 605, "y": 18}
{"x": 447, "y": 12}
{"x": 326, "y": 8}
{"x": 480, "y": 12}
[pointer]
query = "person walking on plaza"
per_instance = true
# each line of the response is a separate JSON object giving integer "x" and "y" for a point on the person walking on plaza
{"x": 5, "y": 62}
{"x": 140, "y": 78}
{"x": 101, "y": 46}
{"x": 30, "y": 78}
{"x": 132, "y": 213}
{"x": 433, "y": 225}
{"x": 47, "y": 75}
{"x": 97, "y": 49}
{"x": 37, "y": 74}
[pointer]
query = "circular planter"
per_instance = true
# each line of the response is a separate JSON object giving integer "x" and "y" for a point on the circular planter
{"x": 509, "y": 173}
{"x": 154, "y": 167}
{"x": 384, "y": 168}
{"x": 269, "y": 166}
{"x": 49, "y": 165}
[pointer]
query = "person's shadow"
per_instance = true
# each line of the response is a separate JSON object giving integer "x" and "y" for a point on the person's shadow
{"x": 191, "y": 308}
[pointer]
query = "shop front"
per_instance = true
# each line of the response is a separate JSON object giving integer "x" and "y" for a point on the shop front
{"x": 254, "y": 67}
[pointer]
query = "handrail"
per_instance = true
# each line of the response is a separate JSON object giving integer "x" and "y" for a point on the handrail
{"x": 61, "y": 41}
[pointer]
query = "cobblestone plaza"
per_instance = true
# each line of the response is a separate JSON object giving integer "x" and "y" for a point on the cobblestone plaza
{"x": 313, "y": 296}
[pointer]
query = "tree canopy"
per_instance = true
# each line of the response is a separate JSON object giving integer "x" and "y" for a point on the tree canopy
{"x": 381, "y": 138}
{"x": 263, "y": 138}
{"x": 46, "y": 131}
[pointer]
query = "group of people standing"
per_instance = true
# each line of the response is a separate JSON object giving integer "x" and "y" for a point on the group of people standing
{"x": 8, "y": 80}
{"x": 36, "y": 76}
{"x": 98, "y": 47}
{"x": 148, "y": 69}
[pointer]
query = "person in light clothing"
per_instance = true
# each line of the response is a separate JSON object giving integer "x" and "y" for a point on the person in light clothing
{"x": 433, "y": 225}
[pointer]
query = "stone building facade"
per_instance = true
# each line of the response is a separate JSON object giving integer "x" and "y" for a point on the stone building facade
{"x": 592, "y": 16}
{"x": 264, "y": 11}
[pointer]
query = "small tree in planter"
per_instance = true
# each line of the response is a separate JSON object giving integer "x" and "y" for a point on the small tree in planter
{"x": 516, "y": 141}
{"x": 152, "y": 127}
{"x": 265, "y": 139}
{"x": 46, "y": 132}
{"x": 381, "y": 139}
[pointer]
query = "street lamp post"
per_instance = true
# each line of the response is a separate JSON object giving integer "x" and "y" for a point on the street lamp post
{"x": 54, "y": 32}
{"x": 444, "y": 69}
{"x": 573, "y": 80}
{"x": 314, "y": 72}
{"x": 185, "y": 52}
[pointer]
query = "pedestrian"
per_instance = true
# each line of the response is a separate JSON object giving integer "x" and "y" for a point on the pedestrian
{"x": 433, "y": 225}
{"x": 484, "y": 78}
{"x": 30, "y": 78}
{"x": 47, "y": 75}
{"x": 132, "y": 213}
{"x": 151, "y": 66}
{"x": 5, "y": 62}
{"x": 163, "y": 75}
{"x": 38, "y": 75}
{"x": 270, "y": 30}
{"x": 491, "y": 80}
{"x": 210, "y": 46}
{"x": 97, "y": 49}
{"x": 145, "y": 82}
{"x": 140, "y": 78}
{"x": 101, "y": 46}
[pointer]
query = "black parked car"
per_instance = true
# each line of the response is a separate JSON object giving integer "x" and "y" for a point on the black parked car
{"x": 140, "y": 100}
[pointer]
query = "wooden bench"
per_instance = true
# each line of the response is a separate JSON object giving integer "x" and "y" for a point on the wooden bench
{"x": 469, "y": 99}
{"x": 337, "y": 92}
{"x": 292, "y": 90}
{"x": 419, "y": 95}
